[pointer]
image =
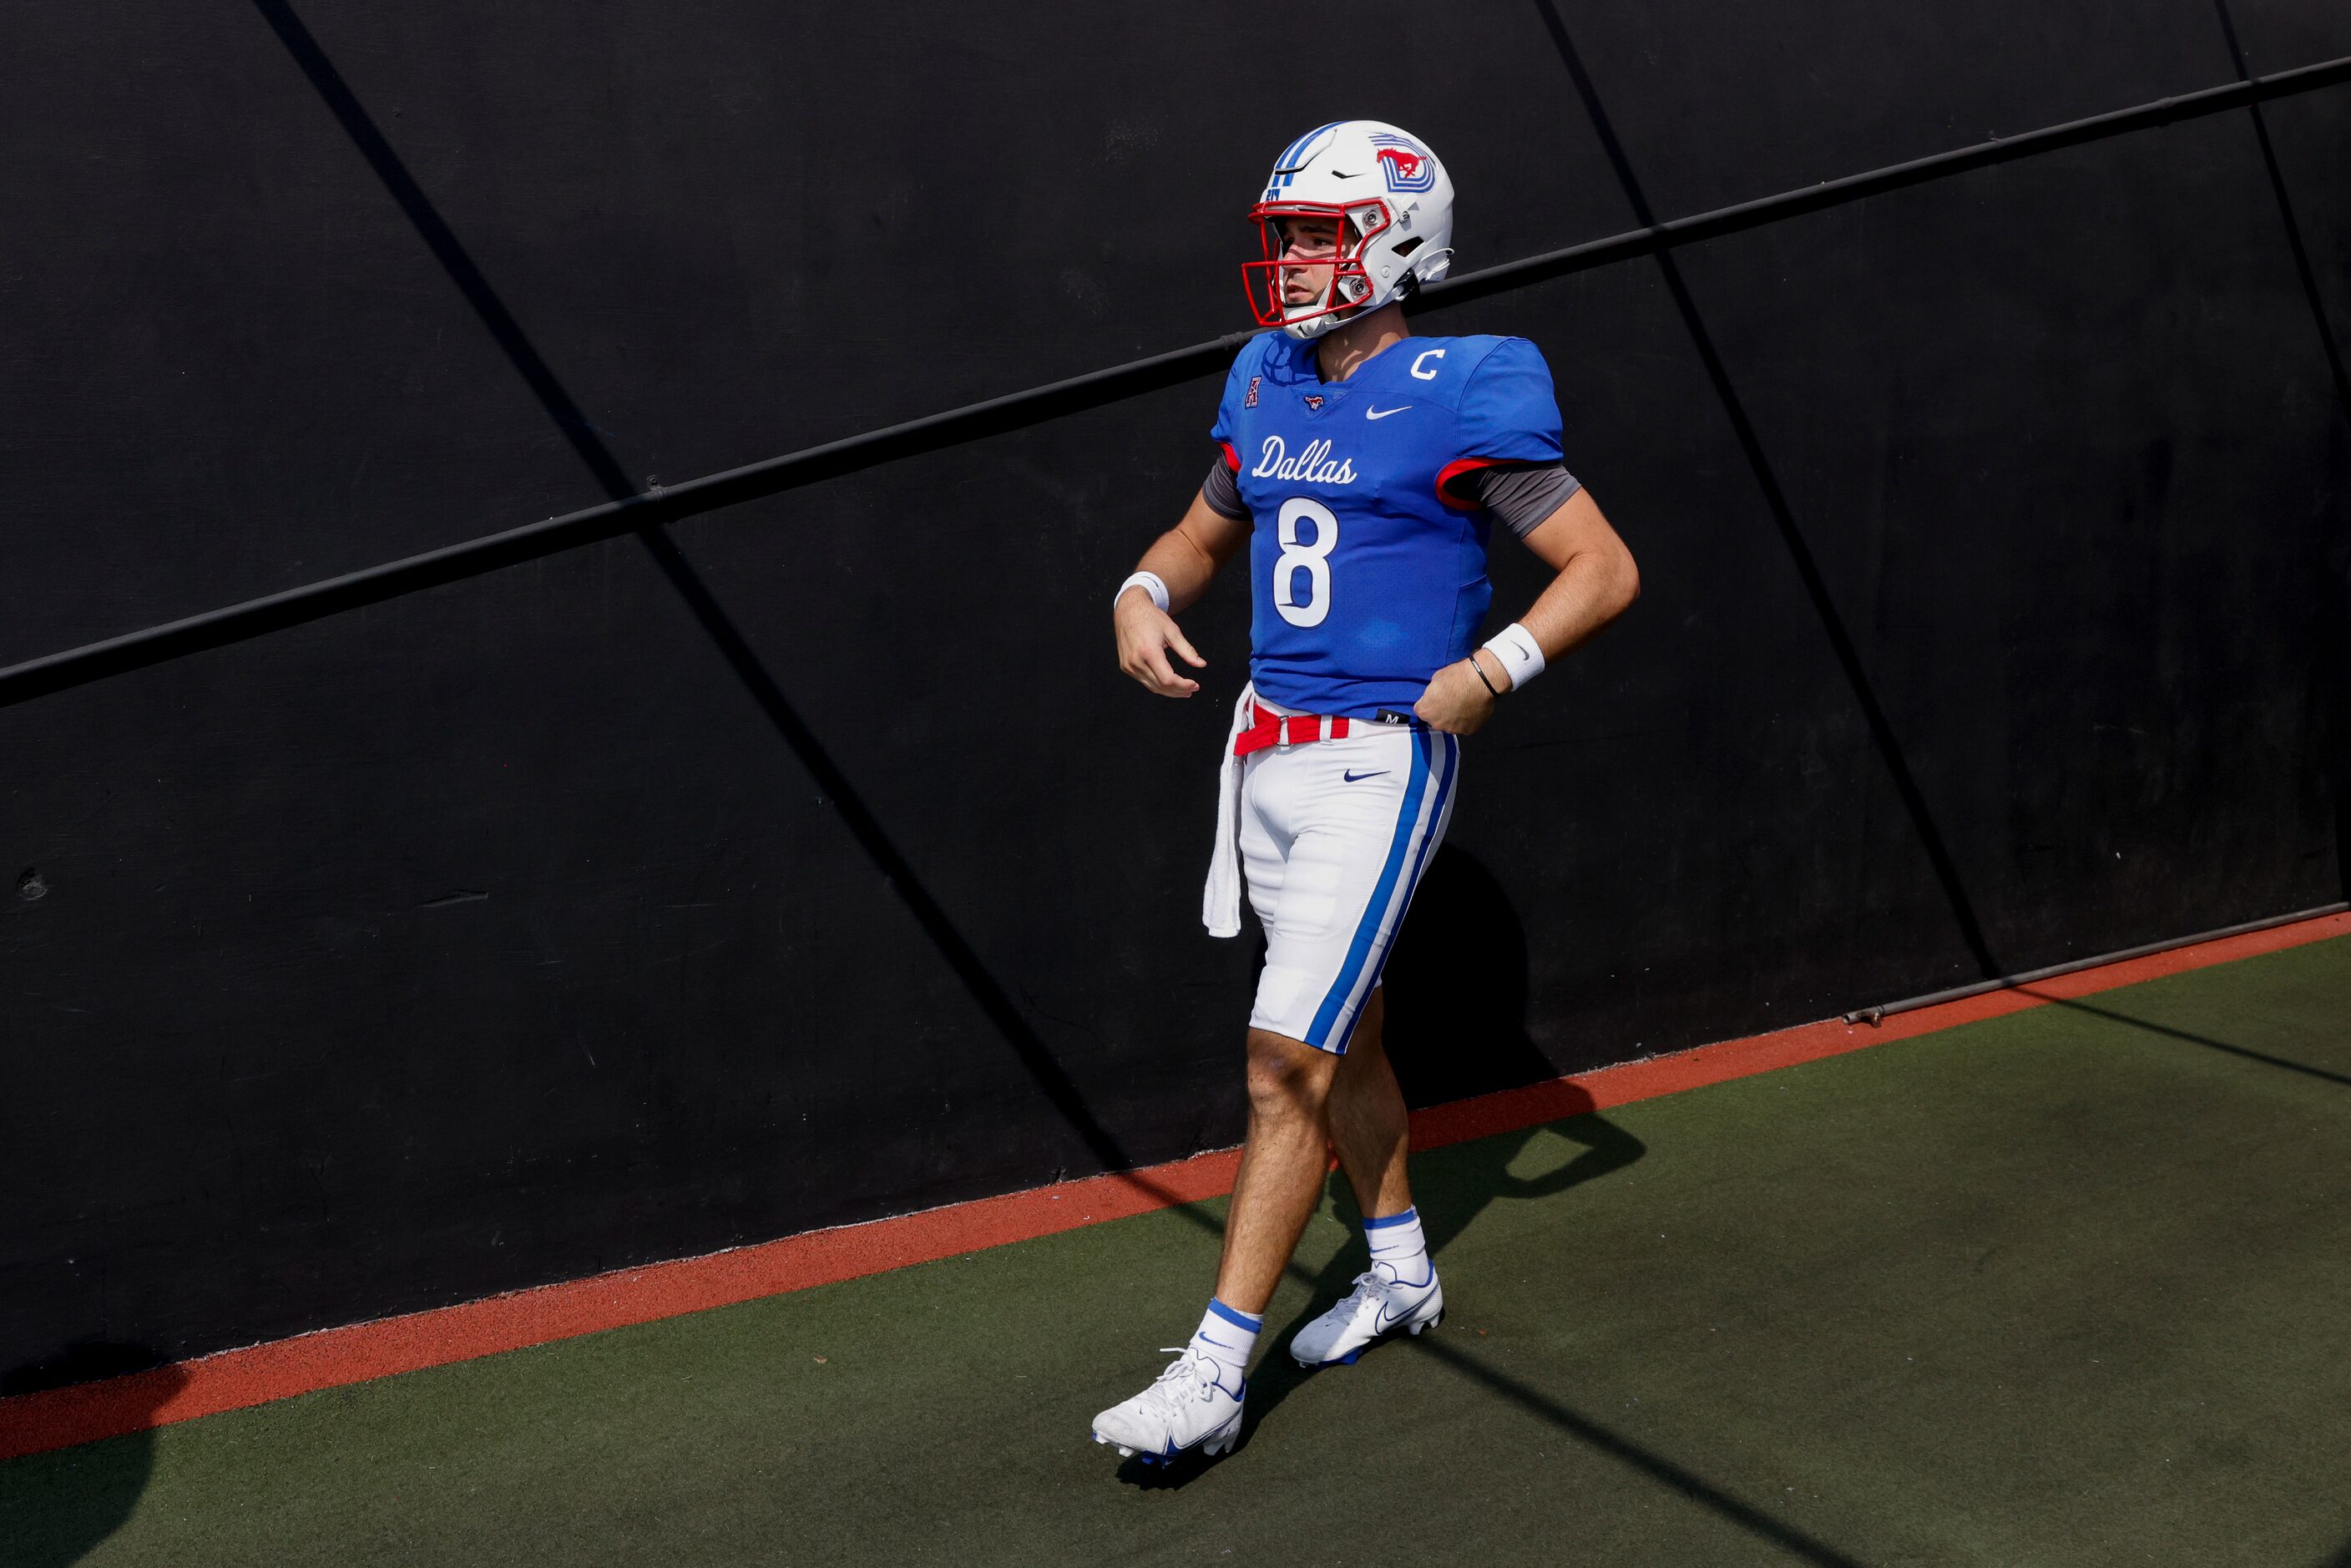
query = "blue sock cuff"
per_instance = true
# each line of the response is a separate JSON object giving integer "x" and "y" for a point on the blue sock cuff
{"x": 1252, "y": 1321}
{"x": 1387, "y": 1219}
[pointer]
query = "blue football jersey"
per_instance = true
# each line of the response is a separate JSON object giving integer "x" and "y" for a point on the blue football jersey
{"x": 1366, "y": 576}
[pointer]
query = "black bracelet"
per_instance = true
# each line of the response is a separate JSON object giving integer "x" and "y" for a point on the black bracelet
{"x": 1481, "y": 677}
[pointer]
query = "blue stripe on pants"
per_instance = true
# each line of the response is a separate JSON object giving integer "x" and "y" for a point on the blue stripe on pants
{"x": 1359, "y": 951}
{"x": 1452, "y": 744}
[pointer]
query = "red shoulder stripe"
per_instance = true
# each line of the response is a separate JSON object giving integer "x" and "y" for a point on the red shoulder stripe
{"x": 1460, "y": 467}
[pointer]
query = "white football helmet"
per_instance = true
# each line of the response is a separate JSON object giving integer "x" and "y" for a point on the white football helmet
{"x": 1393, "y": 205}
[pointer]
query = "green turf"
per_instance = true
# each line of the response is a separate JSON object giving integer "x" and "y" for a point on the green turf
{"x": 2067, "y": 1287}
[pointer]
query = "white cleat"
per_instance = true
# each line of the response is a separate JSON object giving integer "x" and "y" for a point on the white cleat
{"x": 1378, "y": 1305}
{"x": 1188, "y": 1406}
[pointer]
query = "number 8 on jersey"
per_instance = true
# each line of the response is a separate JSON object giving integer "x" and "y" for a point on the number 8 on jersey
{"x": 1312, "y": 558}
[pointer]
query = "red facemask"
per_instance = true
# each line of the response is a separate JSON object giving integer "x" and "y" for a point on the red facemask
{"x": 1359, "y": 222}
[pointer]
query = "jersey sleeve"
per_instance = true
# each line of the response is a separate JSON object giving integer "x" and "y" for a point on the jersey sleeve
{"x": 1237, "y": 384}
{"x": 1509, "y": 416}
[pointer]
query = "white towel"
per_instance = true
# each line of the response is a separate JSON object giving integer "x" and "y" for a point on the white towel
{"x": 1221, "y": 902}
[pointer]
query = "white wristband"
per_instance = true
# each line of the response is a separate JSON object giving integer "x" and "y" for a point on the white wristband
{"x": 1153, "y": 586}
{"x": 1520, "y": 654}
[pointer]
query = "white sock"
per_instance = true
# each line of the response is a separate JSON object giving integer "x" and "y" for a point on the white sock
{"x": 1226, "y": 1336}
{"x": 1397, "y": 1242}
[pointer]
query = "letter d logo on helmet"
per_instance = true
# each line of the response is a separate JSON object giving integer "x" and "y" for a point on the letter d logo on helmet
{"x": 1355, "y": 214}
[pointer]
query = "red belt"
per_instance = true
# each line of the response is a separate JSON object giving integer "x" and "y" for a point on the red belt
{"x": 1294, "y": 729}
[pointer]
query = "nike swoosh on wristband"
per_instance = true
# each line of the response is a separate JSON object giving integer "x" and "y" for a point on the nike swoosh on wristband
{"x": 1359, "y": 778}
{"x": 1384, "y": 412}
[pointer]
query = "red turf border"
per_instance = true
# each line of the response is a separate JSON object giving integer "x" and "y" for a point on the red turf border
{"x": 33, "y": 1423}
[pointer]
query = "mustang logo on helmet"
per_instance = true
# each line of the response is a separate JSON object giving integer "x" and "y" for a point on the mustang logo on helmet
{"x": 1405, "y": 166}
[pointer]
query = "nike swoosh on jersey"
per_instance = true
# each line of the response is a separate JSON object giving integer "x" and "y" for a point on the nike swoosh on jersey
{"x": 1384, "y": 412}
{"x": 1359, "y": 778}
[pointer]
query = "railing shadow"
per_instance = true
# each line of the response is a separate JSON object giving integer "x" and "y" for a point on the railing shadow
{"x": 1799, "y": 551}
{"x": 2188, "y": 1037}
{"x": 2291, "y": 223}
{"x": 2334, "y": 629}
{"x": 990, "y": 994}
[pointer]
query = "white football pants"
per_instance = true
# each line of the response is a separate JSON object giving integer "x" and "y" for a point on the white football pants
{"x": 1334, "y": 835}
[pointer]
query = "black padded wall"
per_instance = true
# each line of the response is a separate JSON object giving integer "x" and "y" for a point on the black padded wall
{"x": 811, "y": 861}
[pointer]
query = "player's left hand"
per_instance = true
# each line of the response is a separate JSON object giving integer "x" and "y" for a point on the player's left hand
{"x": 1457, "y": 701}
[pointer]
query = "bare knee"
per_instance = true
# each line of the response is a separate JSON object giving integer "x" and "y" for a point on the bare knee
{"x": 1288, "y": 1080}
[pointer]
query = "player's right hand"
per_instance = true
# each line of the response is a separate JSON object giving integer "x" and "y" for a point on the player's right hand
{"x": 1146, "y": 635}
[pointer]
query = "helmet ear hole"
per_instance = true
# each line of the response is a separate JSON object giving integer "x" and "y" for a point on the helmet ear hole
{"x": 1409, "y": 246}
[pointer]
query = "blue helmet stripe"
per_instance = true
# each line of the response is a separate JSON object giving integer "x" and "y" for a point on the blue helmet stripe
{"x": 1291, "y": 152}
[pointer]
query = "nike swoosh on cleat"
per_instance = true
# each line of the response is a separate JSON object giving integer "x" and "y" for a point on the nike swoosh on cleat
{"x": 1359, "y": 778}
{"x": 1385, "y": 1319}
{"x": 1384, "y": 412}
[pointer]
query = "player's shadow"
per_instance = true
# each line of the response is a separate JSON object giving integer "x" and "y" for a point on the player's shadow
{"x": 56, "y": 1507}
{"x": 1450, "y": 1038}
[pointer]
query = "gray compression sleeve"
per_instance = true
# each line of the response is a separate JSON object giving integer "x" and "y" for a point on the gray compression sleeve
{"x": 1521, "y": 498}
{"x": 1222, "y": 492}
{"x": 1524, "y": 497}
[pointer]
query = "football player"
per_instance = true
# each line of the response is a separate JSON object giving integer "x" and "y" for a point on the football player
{"x": 1364, "y": 468}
